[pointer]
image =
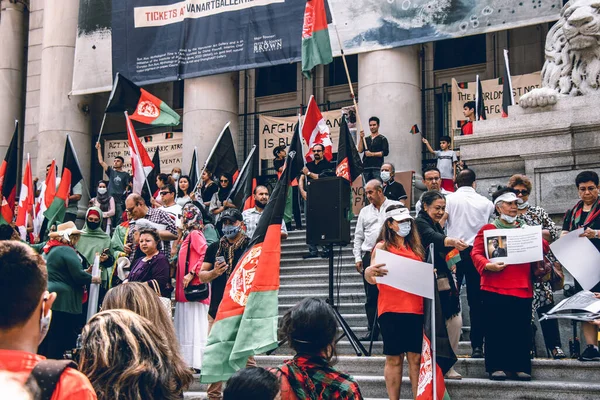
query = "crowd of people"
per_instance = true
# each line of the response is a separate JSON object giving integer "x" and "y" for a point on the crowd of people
{"x": 152, "y": 251}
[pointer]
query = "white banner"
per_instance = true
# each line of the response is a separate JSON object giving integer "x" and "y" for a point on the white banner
{"x": 170, "y": 148}
{"x": 580, "y": 257}
{"x": 514, "y": 246}
{"x": 406, "y": 274}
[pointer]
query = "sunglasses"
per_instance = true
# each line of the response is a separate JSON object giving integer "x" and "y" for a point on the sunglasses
{"x": 317, "y": 151}
{"x": 223, "y": 180}
{"x": 522, "y": 192}
{"x": 164, "y": 193}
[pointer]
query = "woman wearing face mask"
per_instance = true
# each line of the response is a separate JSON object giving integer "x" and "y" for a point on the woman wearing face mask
{"x": 94, "y": 240}
{"x": 176, "y": 174}
{"x": 219, "y": 202}
{"x": 431, "y": 232}
{"x": 106, "y": 203}
{"x": 183, "y": 191}
{"x": 543, "y": 298}
{"x": 67, "y": 277}
{"x": 506, "y": 292}
{"x": 400, "y": 313}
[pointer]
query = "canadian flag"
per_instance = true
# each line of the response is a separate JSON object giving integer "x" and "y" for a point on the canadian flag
{"x": 47, "y": 194}
{"x": 25, "y": 200}
{"x": 141, "y": 164}
{"x": 316, "y": 131}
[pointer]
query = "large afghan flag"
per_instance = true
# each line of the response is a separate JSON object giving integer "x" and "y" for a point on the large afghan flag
{"x": 316, "y": 131}
{"x": 246, "y": 323}
{"x": 242, "y": 191}
{"x": 194, "y": 173}
{"x": 141, "y": 105}
{"x": 8, "y": 179}
{"x": 349, "y": 165}
{"x": 222, "y": 159}
{"x": 71, "y": 176}
{"x": 45, "y": 200}
{"x": 316, "y": 46}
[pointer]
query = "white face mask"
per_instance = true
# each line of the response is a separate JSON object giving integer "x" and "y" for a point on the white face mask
{"x": 385, "y": 176}
{"x": 508, "y": 218}
{"x": 523, "y": 205}
{"x": 403, "y": 229}
{"x": 45, "y": 323}
{"x": 101, "y": 190}
{"x": 175, "y": 175}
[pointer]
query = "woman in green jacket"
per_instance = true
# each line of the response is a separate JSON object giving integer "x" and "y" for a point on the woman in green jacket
{"x": 66, "y": 277}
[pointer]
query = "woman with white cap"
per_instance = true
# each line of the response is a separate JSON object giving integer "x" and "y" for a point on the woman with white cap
{"x": 506, "y": 292}
{"x": 400, "y": 313}
{"x": 66, "y": 277}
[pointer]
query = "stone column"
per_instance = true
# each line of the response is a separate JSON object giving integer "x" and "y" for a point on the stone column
{"x": 209, "y": 102}
{"x": 61, "y": 113}
{"x": 12, "y": 53}
{"x": 389, "y": 88}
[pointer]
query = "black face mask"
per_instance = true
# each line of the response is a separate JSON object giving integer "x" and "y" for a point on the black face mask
{"x": 93, "y": 225}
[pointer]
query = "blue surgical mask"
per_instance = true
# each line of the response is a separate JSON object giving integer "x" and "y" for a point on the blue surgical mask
{"x": 403, "y": 229}
{"x": 523, "y": 205}
{"x": 508, "y": 218}
{"x": 230, "y": 231}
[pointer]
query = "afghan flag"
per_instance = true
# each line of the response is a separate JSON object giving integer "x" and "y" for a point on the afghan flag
{"x": 316, "y": 47}
{"x": 444, "y": 356}
{"x": 25, "y": 200}
{"x": 452, "y": 258}
{"x": 507, "y": 89}
{"x": 222, "y": 157}
{"x": 71, "y": 175}
{"x": 415, "y": 129}
{"x": 194, "y": 173}
{"x": 349, "y": 165}
{"x": 152, "y": 176}
{"x": 141, "y": 105}
{"x": 141, "y": 165}
{"x": 316, "y": 131}
{"x": 479, "y": 103}
{"x": 8, "y": 179}
{"x": 246, "y": 322}
{"x": 296, "y": 166}
{"x": 45, "y": 199}
{"x": 242, "y": 191}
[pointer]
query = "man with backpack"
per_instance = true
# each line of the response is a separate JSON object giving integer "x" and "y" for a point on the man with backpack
{"x": 25, "y": 316}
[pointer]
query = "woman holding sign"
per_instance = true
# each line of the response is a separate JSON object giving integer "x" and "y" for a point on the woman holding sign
{"x": 506, "y": 292}
{"x": 400, "y": 313}
{"x": 446, "y": 255}
{"x": 586, "y": 214}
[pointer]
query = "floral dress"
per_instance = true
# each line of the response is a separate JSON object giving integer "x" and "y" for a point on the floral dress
{"x": 534, "y": 216}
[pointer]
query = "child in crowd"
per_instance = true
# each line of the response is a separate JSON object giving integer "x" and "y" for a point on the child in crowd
{"x": 446, "y": 161}
{"x": 469, "y": 113}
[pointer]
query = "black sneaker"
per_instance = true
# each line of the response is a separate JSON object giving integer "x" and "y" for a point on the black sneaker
{"x": 477, "y": 352}
{"x": 590, "y": 354}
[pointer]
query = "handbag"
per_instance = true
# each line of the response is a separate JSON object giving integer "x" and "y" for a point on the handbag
{"x": 197, "y": 292}
{"x": 166, "y": 302}
{"x": 443, "y": 284}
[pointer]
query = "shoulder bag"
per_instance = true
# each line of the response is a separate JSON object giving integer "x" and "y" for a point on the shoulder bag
{"x": 166, "y": 302}
{"x": 194, "y": 292}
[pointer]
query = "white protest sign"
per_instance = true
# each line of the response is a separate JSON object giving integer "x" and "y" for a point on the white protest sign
{"x": 514, "y": 246}
{"x": 580, "y": 257}
{"x": 406, "y": 274}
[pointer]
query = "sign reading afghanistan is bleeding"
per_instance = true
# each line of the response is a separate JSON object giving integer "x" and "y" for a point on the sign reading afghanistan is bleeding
{"x": 161, "y": 40}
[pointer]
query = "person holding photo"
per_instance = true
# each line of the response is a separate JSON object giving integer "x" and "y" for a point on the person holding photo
{"x": 506, "y": 292}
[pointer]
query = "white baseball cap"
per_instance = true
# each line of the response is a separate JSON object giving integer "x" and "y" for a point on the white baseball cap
{"x": 399, "y": 214}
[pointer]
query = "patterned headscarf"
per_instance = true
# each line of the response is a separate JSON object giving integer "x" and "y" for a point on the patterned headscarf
{"x": 191, "y": 218}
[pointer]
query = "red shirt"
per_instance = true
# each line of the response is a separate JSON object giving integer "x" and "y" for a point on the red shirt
{"x": 73, "y": 385}
{"x": 514, "y": 280}
{"x": 467, "y": 128}
{"x": 395, "y": 300}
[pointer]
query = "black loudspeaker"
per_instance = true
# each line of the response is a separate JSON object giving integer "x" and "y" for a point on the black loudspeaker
{"x": 328, "y": 207}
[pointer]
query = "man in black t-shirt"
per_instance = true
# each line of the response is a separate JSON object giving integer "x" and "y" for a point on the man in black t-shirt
{"x": 377, "y": 148}
{"x": 391, "y": 189}
{"x": 117, "y": 182}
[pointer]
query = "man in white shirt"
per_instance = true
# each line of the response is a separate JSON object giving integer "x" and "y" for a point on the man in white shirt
{"x": 369, "y": 224}
{"x": 167, "y": 194}
{"x": 467, "y": 213}
{"x": 432, "y": 179}
{"x": 252, "y": 215}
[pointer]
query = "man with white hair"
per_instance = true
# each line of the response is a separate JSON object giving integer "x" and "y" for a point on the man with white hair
{"x": 368, "y": 225}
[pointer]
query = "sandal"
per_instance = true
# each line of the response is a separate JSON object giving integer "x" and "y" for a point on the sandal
{"x": 558, "y": 353}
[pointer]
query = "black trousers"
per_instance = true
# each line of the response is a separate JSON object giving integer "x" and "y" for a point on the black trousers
{"x": 62, "y": 335}
{"x": 507, "y": 322}
{"x": 371, "y": 294}
{"x": 296, "y": 207}
{"x": 549, "y": 328}
{"x": 466, "y": 269}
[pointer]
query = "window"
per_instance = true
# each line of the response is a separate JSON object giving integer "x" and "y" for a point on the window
{"x": 277, "y": 79}
{"x": 335, "y": 73}
{"x": 459, "y": 52}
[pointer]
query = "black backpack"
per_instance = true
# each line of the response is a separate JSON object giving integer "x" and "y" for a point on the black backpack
{"x": 45, "y": 376}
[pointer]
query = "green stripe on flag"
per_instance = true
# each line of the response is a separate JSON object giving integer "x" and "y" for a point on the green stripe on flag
{"x": 167, "y": 116}
{"x": 56, "y": 212}
{"x": 316, "y": 50}
{"x": 289, "y": 207}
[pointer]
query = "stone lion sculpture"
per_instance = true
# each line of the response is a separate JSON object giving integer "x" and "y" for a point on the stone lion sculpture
{"x": 572, "y": 66}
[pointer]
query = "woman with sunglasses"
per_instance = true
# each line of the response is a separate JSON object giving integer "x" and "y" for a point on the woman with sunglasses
{"x": 219, "y": 202}
{"x": 586, "y": 215}
{"x": 543, "y": 298}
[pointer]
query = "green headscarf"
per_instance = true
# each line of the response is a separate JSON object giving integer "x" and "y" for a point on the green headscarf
{"x": 92, "y": 241}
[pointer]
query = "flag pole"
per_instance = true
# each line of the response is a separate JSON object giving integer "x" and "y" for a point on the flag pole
{"x": 477, "y": 99}
{"x": 433, "y": 332}
{"x": 211, "y": 152}
{"x": 347, "y": 75}
{"x": 512, "y": 98}
{"x": 78, "y": 166}
{"x": 137, "y": 153}
{"x": 101, "y": 128}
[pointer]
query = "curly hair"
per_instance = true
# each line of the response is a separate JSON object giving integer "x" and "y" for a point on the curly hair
{"x": 518, "y": 179}
{"x": 126, "y": 357}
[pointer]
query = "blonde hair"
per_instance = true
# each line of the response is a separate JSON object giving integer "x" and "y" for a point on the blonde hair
{"x": 126, "y": 357}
